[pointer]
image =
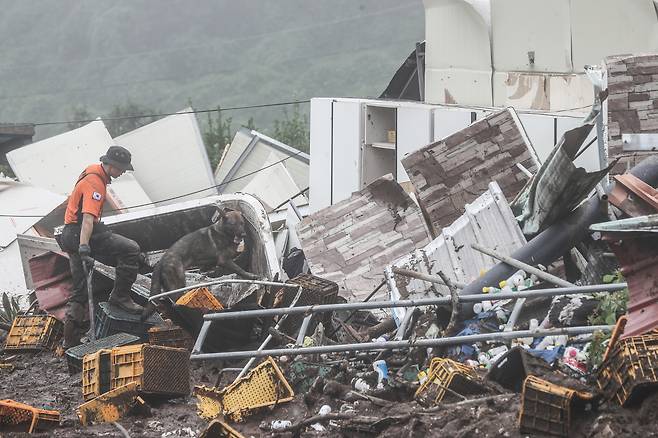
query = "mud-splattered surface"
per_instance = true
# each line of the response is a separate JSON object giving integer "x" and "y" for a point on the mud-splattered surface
{"x": 42, "y": 380}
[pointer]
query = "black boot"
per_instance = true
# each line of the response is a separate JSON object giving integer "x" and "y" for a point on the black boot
{"x": 72, "y": 325}
{"x": 120, "y": 297}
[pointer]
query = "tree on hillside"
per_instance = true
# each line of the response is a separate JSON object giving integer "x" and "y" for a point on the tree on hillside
{"x": 218, "y": 134}
{"x": 79, "y": 116}
{"x": 293, "y": 130}
{"x": 128, "y": 117}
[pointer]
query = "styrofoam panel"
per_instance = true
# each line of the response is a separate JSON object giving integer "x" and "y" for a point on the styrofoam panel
{"x": 460, "y": 86}
{"x": 632, "y": 27}
{"x": 240, "y": 141}
{"x": 346, "y": 157}
{"x": 539, "y": 26}
{"x": 414, "y": 130}
{"x": 23, "y": 200}
{"x": 543, "y": 92}
{"x": 172, "y": 147}
{"x": 320, "y": 165}
{"x": 456, "y": 35}
{"x": 56, "y": 162}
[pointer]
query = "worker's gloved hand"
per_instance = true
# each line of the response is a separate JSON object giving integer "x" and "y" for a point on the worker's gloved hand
{"x": 85, "y": 254}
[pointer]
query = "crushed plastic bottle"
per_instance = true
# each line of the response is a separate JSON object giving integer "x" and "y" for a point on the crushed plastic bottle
{"x": 381, "y": 368}
{"x": 360, "y": 385}
{"x": 324, "y": 410}
{"x": 280, "y": 424}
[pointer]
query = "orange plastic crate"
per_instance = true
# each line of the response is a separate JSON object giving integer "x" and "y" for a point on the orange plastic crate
{"x": 96, "y": 374}
{"x": 34, "y": 332}
{"x": 200, "y": 298}
{"x": 25, "y": 418}
{"x": 155, "y": 369}
{"x": 444, "y": 376}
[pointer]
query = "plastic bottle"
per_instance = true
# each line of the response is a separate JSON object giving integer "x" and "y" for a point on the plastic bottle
{"x": 280, "y": 424}
{"x": 360, "y": 385}
{"x": 422, "y": 376}
{"x": 490, "y": 290}
{"x": 482, "y": 307}
{"x": 381, "y": 368}
{"x": 324, "y": 410}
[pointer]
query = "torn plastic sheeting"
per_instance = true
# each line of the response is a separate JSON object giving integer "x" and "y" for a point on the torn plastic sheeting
{"x": 635, "y": 243}
{"x": 352, "y": 241}
{"x": 488, "y": 221}
{"x": 558, "y": 187}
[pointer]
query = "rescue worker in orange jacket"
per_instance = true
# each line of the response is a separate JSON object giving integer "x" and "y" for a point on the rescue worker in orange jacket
{"x": 85, "y": 238}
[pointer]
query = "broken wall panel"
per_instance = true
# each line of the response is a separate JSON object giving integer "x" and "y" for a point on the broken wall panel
{"x": 631, "y": 106}
{"x": 488, "y": 221}
{"x": 352, "y": 241}
{"x": 453, "y": 172}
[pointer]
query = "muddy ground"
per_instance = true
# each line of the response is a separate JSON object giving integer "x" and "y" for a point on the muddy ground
{"x": 42, "y": 380}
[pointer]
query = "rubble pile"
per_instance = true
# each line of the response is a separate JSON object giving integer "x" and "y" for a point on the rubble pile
{"x": 500, "y": 296}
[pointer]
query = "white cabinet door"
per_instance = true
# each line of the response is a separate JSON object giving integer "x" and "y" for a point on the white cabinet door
{"x": 347, "y": 139}
{"x": 414, "y": 130}
{"x": 320, "y": 165}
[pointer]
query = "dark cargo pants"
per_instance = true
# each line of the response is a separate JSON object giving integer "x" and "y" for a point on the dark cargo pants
{"x": 106, "y": 247}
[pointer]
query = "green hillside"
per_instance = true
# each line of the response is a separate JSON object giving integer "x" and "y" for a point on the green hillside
{"x": 162, "y": 54}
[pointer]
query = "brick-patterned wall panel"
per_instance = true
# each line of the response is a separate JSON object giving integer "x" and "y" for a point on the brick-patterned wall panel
{"x": 352, "y": 241}
{"x": 456, "y": 170}
{"x": 632, "y": 104}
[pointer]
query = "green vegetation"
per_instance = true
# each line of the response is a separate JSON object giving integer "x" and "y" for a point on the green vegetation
{"x": 610, "y": 308}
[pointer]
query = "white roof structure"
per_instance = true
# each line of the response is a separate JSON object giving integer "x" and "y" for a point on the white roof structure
{"x": 170, "y": 158}
{"x": 257, "y": 164}
{"x": 56, "y": 162}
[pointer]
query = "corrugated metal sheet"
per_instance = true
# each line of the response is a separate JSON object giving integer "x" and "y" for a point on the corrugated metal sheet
{"x": 558, "y": 187}
{"x": 352, "y": 241}
{"x": 487, "y": 221}
{"x": 453, "y": 172}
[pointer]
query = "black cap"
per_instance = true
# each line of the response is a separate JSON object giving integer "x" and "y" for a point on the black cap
{"x": 118, "y": 157}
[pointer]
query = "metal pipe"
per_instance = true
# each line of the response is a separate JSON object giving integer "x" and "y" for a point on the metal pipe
{"x": 399, "y": 335}
{"x": 397, "y": 345}
{"x": 214, "y": 282}
{"x": 415, "y": 303}
{"x": 425, "y": 277}
{"x": 552, "y": 243}
{"x": 520, "y": 265}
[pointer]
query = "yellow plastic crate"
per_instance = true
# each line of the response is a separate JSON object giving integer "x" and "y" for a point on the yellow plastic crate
{"x": 108, "y": 407}
{"x": 34, "y": 333}
{"x": 96, "y": 374}
{"x": 200, "y": 298}
{"x": 21, "y": 417}
{"x": 548, "y": 408}
{"x": 155, "y": 369}
{"x": 265, "y": 385}
{"x": 444, "y": 375}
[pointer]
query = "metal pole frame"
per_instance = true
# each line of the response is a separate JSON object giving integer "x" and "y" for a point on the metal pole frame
{"x": 215, "y": 282}
{"x": 397, "y": 345}
{"x": 209, "y": 318}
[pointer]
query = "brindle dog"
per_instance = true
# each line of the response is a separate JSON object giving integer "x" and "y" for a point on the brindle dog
{"x": 216, "y": 244}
